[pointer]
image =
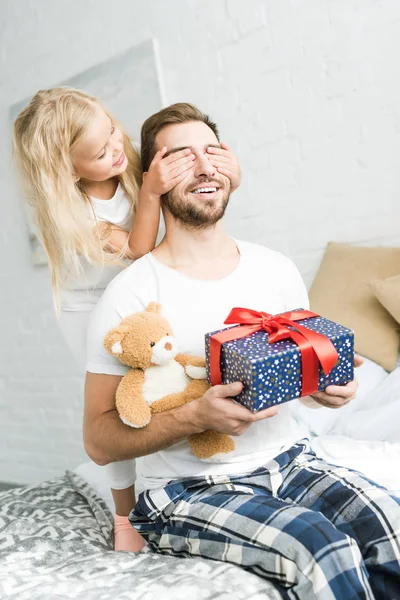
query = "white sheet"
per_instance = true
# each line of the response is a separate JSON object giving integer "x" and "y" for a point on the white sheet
{"x": 323, "y": 420}
{"x": 364, "y": 435}
{"x": 379, "y": 461}
{"x": 378, "y": 415}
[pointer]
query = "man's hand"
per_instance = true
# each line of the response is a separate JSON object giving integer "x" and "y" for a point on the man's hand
{"x": 165, "y": 173}
{"x": 336, "y": 396}
{"x": 227, "y": 164}
{"x": 217, "y": 410}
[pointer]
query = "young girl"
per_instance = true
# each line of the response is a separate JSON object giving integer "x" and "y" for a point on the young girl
{"x": 82, "y": 175}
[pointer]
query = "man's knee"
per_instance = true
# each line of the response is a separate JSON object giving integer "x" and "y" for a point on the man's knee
{"x": 309, "y": 535}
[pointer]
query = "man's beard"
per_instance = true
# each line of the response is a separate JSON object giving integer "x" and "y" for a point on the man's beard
{"x": 196, "y": 215}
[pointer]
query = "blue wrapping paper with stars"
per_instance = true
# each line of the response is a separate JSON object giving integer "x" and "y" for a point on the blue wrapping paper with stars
{"x": 271, "y": 373}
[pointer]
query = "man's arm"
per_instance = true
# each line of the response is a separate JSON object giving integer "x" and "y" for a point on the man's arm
{"x": 107, "y": 439}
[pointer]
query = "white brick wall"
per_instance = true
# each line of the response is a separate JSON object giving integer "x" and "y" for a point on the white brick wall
{"x": 306, "y": 91}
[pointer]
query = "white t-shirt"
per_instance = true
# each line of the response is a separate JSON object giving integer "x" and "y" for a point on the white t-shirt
{"x": 83, "y": 292}
{"x": 263, "y": 280}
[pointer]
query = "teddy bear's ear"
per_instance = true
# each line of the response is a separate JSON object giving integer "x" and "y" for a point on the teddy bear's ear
{"x": 112, "y": 341}
{"x": 154, "y": 307}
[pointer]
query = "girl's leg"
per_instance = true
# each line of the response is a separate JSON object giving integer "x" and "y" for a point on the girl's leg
{"x": 124, "y": 500}
{"x": 73, "y": 326}
{"x": 121, "y": 477}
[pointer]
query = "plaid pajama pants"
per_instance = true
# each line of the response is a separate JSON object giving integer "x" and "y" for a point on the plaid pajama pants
{"x": 314, "y": 529}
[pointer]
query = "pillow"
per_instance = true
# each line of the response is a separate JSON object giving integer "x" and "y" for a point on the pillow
{"x": 388, "y": 294}
{"x": 342, "y": 292}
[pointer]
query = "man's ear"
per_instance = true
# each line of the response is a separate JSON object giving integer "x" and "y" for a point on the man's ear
{"x": 154, "y": 307}
{"x": 112, "y": 341}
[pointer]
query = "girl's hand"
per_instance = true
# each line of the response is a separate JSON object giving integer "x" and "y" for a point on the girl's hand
{"x": 165, "y": 173}
{"x": 227, "y": 164}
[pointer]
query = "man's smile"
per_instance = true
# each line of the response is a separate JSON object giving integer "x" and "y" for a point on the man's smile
{"x": 204, "y": 190}
{"x": 208, "y": 190}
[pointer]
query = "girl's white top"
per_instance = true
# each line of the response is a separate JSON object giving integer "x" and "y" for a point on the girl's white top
{"x": 82, "y": 292}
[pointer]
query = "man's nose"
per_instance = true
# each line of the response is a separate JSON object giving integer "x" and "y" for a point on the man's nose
{"x": 203, "y": 166}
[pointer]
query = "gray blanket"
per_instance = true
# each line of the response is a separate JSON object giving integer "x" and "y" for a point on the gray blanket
{"x": 56, "y": 542}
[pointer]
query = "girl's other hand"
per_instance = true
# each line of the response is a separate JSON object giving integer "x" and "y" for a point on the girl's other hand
{"x": 226, "y": 163}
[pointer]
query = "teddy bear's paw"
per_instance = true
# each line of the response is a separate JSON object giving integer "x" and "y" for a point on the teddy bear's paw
{"x": 220, "y": 457}
{"x": 134, "y": 414}
{"x": 223, "y": 445}
{"x": 136, "y": 425}
{"x": 196, "y": 372}
{"x": 211, "y": 445}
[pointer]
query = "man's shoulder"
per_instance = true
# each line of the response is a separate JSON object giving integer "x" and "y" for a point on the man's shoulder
{"x": 128, "y": 292}
{"x": 134, "y": 278}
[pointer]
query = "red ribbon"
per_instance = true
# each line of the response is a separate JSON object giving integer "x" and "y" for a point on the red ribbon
{"x": 315, "y": 348}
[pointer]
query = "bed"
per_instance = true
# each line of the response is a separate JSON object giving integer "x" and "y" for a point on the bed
{"x": 56, "y": 537}
{"x": 56, "y": 542}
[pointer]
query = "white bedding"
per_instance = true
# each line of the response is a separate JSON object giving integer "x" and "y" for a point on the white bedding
{"x": 364, "y": 435}
{"x": 379, "y": 461}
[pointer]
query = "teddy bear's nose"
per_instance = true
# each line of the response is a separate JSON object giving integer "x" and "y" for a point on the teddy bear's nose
{"x": 168, "y": 346}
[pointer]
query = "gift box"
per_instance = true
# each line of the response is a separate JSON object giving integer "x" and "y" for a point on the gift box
{"x": 279, "y": 357}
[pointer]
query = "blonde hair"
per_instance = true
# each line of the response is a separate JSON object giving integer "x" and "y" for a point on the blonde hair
{"x": 44, "y": 134}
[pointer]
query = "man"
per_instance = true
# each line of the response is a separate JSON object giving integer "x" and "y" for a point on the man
{"x": 272, "y": 507}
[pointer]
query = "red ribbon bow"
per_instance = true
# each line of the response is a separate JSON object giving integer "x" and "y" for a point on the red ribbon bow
{"x": 315, "y": 348}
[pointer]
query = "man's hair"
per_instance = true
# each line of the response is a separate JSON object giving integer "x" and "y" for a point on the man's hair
{"x": 181, "y": 112}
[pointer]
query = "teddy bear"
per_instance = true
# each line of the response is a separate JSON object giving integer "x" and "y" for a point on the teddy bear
{"x": 159, "y": 379}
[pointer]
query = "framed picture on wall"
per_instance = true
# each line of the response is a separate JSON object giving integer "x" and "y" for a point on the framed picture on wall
{"x": 129, "y": 84}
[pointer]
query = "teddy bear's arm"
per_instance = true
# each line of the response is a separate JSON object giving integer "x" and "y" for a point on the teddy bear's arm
{"x": 185, "y": 360}
{"x": 195, "y": 366}
{"x": 209, "y": 443}
{"x": 130, "y": 403}
{"x": 168, "y": 402}
{"x": 195, "y": 389}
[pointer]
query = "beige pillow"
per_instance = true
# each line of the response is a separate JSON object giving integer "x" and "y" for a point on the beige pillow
{"x": 388, "y": 293}
{"x": 342, "y": 292}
